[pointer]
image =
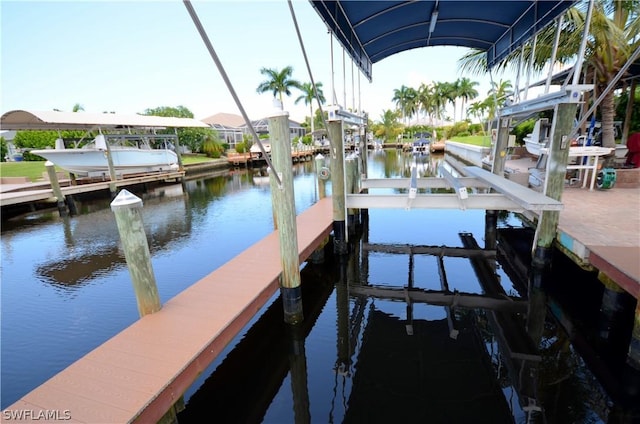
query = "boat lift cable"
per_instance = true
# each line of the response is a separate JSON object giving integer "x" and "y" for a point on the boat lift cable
{"x": 306, "y": 61}
{"x": 634, "y": 56}
{"x": 554, "y": 53}
{"x": 223, "y": 73}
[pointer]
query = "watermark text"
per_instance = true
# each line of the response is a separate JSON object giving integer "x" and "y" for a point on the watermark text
{"x": 36, "y": 414}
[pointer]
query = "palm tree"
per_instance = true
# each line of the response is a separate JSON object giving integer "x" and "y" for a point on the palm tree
{"x": 308, "y": 95}
{"x": 443, "y": 93}
{"x": 497, "y": 96}
{"x": 388, "y": 127}
{"x": 278, "y": 82}
{"x": 78, "y": 107}
{"x": 466, "y": 92}
{"x": 405, "y": 100}
{"x": 478, "y": 109}
{"x": 614, "y": 36}
{"x": 425, "y": 101}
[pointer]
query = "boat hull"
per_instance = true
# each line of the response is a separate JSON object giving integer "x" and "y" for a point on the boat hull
{"x": 94, "y": 162}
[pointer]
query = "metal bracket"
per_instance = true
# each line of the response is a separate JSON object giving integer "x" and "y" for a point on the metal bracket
{"x": 461, "y": 191}
{"x": 567, "y": 94}
{"x": 413, "y": 186}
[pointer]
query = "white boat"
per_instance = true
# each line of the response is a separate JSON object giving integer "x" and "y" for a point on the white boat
{"x": 256, "y": 153}
{"x": 131, "y": 140}
{"x": 539, "y": 138}
{"x": 130, "y": 154}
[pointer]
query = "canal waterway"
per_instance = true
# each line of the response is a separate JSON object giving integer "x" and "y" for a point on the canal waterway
{"x": 360, "y": 355}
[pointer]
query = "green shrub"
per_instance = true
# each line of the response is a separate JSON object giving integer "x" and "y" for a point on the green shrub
{"x": 212, "y": 147}
{"x": 522, "y": 129}
{"x": 475, "y": 128}
{"x": 241, "y": 147}
{"x": 4, "y": 150}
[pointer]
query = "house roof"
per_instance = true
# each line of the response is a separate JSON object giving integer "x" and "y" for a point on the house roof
{"x": 373, "y": 30}
{"x": 264, "y": 122}
{"x": 54, "y": 120}
{"x": 225, "y": 119}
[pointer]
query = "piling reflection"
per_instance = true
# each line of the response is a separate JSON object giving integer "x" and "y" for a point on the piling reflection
{"x": 583, "y": 350}
{"x": 170, "y": 214}
{"x": 242, "y": 386}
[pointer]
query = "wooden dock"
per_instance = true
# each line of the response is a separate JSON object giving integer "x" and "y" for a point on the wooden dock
{"x": 15, "y": 194}
{"x": 138, "y": 375}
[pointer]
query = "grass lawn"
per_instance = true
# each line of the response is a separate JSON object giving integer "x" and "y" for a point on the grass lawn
{"x": 476, "y": 140}
{"x": 30, "y": 169}
{"x": 187, "y": 159}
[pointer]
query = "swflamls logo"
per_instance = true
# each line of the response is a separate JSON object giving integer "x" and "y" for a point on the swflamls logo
{"x": 36, "y": 414}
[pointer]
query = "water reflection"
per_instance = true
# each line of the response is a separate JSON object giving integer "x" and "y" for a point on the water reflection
{"x": 419, "y": 323}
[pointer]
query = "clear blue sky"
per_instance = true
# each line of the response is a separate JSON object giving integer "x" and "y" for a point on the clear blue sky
{"x": 127, "y": 56}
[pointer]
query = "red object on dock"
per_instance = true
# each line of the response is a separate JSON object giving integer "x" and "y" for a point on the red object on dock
{"x": 633, "y": 155}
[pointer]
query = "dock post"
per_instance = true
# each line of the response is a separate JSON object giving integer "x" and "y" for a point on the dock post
{"x": 337, "y": 187}
{"x": 554, "y": 182}
{"x": 112, "y": 173}
{"x": 501, "y": 145}
{"x": 323, "y": 175}
{"x": 633, "y": 357}
{"x": 55, "y": 185}
{"x": 178, "y": 154}
{"x": 127, "y": 209}
{"x": 284, "y": 210}
{"x": 351, "y": 174}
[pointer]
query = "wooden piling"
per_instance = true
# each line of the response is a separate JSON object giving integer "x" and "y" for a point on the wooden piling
{"x": 112, "y": 172}
{"x": 337, "y": 187}
{"x": 323, "y": 174}
{"x": 283, "y": 200}
{"x": 501, "y": 146}
{"x": 55, "y": 185}
{"x": 564, "y": 117}
{"x": 351, "y": 187}
{"x": 127, "y": 208}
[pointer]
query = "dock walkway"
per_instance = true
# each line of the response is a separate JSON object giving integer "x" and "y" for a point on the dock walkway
{"x": 138, "y": 375}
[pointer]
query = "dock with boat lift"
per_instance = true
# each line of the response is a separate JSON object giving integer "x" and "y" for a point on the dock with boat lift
{"x": 139, "y": 374}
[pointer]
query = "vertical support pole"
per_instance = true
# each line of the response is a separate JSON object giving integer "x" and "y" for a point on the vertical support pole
{"x": 127, "y": 209}
{"x": 500, "y": 148}
{"x": 55, "y": 185}
{"x": 112, "y": 172}
{"x": 323, "y": 175}
{"x": 284, "y": 210}
{"x": 337, "y": 187}
{"x": 554, "y": 181}
{"x": 633, "y": 357}
{"x": 364, "y": 152}
{"x": 351, "y": 173}
{"x": 627, "y": 115}
{"x": 177, "y": 150}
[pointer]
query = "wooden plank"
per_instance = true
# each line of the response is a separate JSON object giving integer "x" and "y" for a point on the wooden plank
{"x": 141, "y": 372}
{"x": 525, "y": 197}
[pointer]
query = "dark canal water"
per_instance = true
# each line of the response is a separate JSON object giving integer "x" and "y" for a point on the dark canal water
{"x": 366, "y": 352}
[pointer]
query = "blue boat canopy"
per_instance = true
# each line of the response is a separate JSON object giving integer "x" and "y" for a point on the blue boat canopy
{"x": 373, "y": 30}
